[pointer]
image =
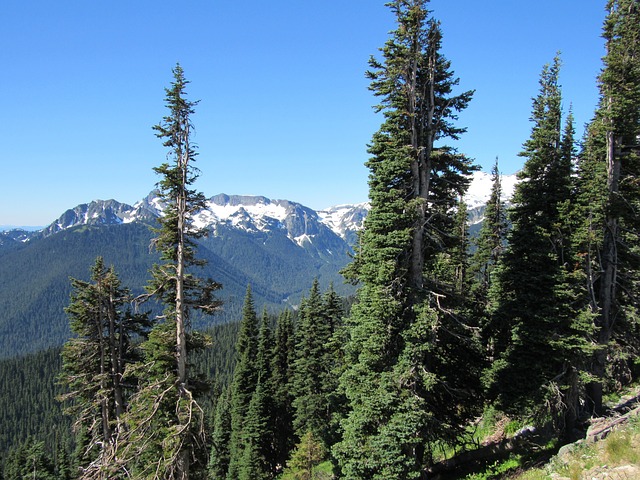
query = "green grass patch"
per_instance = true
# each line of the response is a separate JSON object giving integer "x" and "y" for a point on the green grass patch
{"x": 497, "y": 469}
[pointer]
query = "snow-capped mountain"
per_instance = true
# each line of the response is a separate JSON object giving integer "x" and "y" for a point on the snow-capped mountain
{"x": 99, "y": 212}
{"x": 345, "y": 220}
{"x": 253, "y": 214}
{"x": 260, "y": 214}
{"x": 278, "y": 247}
{"x": 480, "y": 191}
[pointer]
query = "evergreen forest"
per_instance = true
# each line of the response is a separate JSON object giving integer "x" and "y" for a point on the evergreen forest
{"x": 527, "y": 326}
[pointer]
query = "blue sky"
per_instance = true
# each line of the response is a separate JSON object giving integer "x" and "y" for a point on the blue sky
{"x": 284, "y": 110}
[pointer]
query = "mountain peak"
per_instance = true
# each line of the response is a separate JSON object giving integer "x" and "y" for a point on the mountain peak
{"x": 254, "y": 213}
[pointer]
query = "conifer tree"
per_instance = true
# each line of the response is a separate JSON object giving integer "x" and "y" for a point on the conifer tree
{"x": 245, "y": 380}
{"x": 282, "y": 371}
{"x": 315, "y": 377}
{"x": 490, "y": 241}
{"x": 258, "y": 439}
{"x": 536, "y": 340}
{"x": 450, "y": 270}
{"x": 166, "y": 431}
{"x": 610, "y": 197}
{"x": 402, "y": 393}
{"x": 94, "y": 363}
{"x": 305, "y": 458}
{"x": 310, "y": 377}
{"x": 29, "y": 460}
{"x": 333, "y": 313}
{"x": 220, "y": 437}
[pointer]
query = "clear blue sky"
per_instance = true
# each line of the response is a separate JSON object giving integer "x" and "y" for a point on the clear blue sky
{"x": 285, "y": 111}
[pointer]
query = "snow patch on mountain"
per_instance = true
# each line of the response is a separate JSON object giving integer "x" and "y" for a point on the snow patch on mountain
{"x": 259, "y": 214}
{"x": 480, "y": 189}
{"x": 251, "y": 213}
{"x": 345, "y": 220}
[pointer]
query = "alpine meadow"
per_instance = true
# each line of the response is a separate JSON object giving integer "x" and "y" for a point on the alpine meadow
{"x": 421, "y": 335}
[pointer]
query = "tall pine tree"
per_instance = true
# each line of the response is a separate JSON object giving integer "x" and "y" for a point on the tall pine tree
{"x": 282, "y": 371}
{"x": 312, "y": 371}
{"x": 258, "y": 439}
{"x": 166, "y": 431}
{"x": 402, "y": 393}
{"x": 489, "y": 243}
{"x": 221, "y": 437}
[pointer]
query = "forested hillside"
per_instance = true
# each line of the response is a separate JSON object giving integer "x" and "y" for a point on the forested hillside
{"x": 31, "y": 411}
{"x": 35, "y": 287}
{"x": 459, "y": 356}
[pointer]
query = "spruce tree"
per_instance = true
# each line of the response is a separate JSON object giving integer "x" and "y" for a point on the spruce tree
{"x": 402, "y": 392}
{"x": 460, "y": 250}
{"x": 311, "y": 371}
{"x": 315, "y": 377}
{"x": 258, "y": 438}
{"x": 255, "y": 462}
{"x": 305, "y": 458}
{"x": 333, "y": 313}
{"x": 29, "y": 460}
{"x": 220, "y": 437}
{"x": 166, "y": 424}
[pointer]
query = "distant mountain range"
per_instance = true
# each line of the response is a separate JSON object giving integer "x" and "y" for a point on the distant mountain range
{"x": 277, "y": 246}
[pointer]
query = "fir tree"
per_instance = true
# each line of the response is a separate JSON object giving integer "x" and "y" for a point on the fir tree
{"x": 537, "y": 343}
{"x": 245, "y": 380}
{"x": 401, "y": 390}
{"x": 258, "y": 439}
{"x": 310, "y": 377}
{"x": 315, "y": 378}
{"x": 490, "y": 242}
{"x": 255, "y": 463}
{"x": 305, "y": 458}
{"x": 29, "y": 460}
{"x": 282, "y": 372}
{"x": 221, "y": 437}
{"x": 460, "y": 250}
{"x": 333, "y": 312}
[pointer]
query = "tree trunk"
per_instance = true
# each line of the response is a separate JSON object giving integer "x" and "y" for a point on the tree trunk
{"x": 422, "y": 139}
{"x": 116, "y": 353}
{"x": 608, "y": 285}
{"x": 104, "y": 386}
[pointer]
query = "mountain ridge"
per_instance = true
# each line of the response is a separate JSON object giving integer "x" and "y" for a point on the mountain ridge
{"x": 344, "y": 219}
